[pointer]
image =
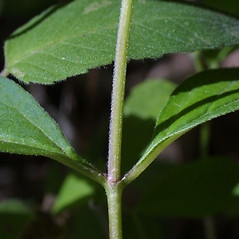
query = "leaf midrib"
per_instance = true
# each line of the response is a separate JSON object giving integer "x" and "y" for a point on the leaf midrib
{"x": 182, "y": 129}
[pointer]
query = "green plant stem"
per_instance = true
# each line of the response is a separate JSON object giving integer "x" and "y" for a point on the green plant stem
{"x": 114, "y": 193}
{"x": 117, "y": 102}
{"x": 113, "y": 188}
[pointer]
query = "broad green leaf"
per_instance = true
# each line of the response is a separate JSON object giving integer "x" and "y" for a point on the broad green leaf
{"x": 68, "y": 40}
{"x": 200, "y": 98}
{"x": 25, "y": 128}
{"x": 74, "y": 191}
{"x": 197, "y": 189}
{"x": 14, "y": 217}
{"x": 148, "y": 98}
{"x": 140, "y": 112}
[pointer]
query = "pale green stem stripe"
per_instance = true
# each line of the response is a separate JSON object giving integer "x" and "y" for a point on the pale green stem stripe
{"x": 115, "y": 135}
{"x": 113, "y": 189}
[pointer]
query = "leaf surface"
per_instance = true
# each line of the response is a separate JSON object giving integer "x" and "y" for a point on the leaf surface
{"x": 198, "y": 99}
{"x": 140, "y": 112}
{"x": 25, "y": 128}
{"x": 70, "y": 39}
{"x": 148, "y": 98}
{"x": 73, "y": 191}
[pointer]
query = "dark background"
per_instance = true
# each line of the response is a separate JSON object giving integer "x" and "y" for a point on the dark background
{"x": 81, "y": 107}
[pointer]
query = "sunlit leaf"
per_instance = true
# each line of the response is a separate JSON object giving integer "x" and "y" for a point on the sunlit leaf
{"x": 25, "y": 128}
{"x": 147, "y": 99}
{"x": 141, "y": 109}
{"x": 74, "y": 191}
{"x": 200, "y": 98}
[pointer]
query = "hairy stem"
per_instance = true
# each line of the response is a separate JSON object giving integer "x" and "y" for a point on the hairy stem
{"x": 114, "y": 192}
{"x": 112, "y": 187}
{"x": 117, "y": 101}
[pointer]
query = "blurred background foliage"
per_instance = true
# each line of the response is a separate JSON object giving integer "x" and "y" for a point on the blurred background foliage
{"x": 190, "y": 191}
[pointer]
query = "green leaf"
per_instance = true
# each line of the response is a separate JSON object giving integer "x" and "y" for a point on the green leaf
{"x": 140, "y": 112}
{"x": 148, "y": 98}
{"x": 200, "y": 98}
{"x": 25, "y": 128}
{"x": 74, "y": 192}
{"x": 14, "y": 218}
{"x": 68, "y": 40}
{"x": 197, "y": 189}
